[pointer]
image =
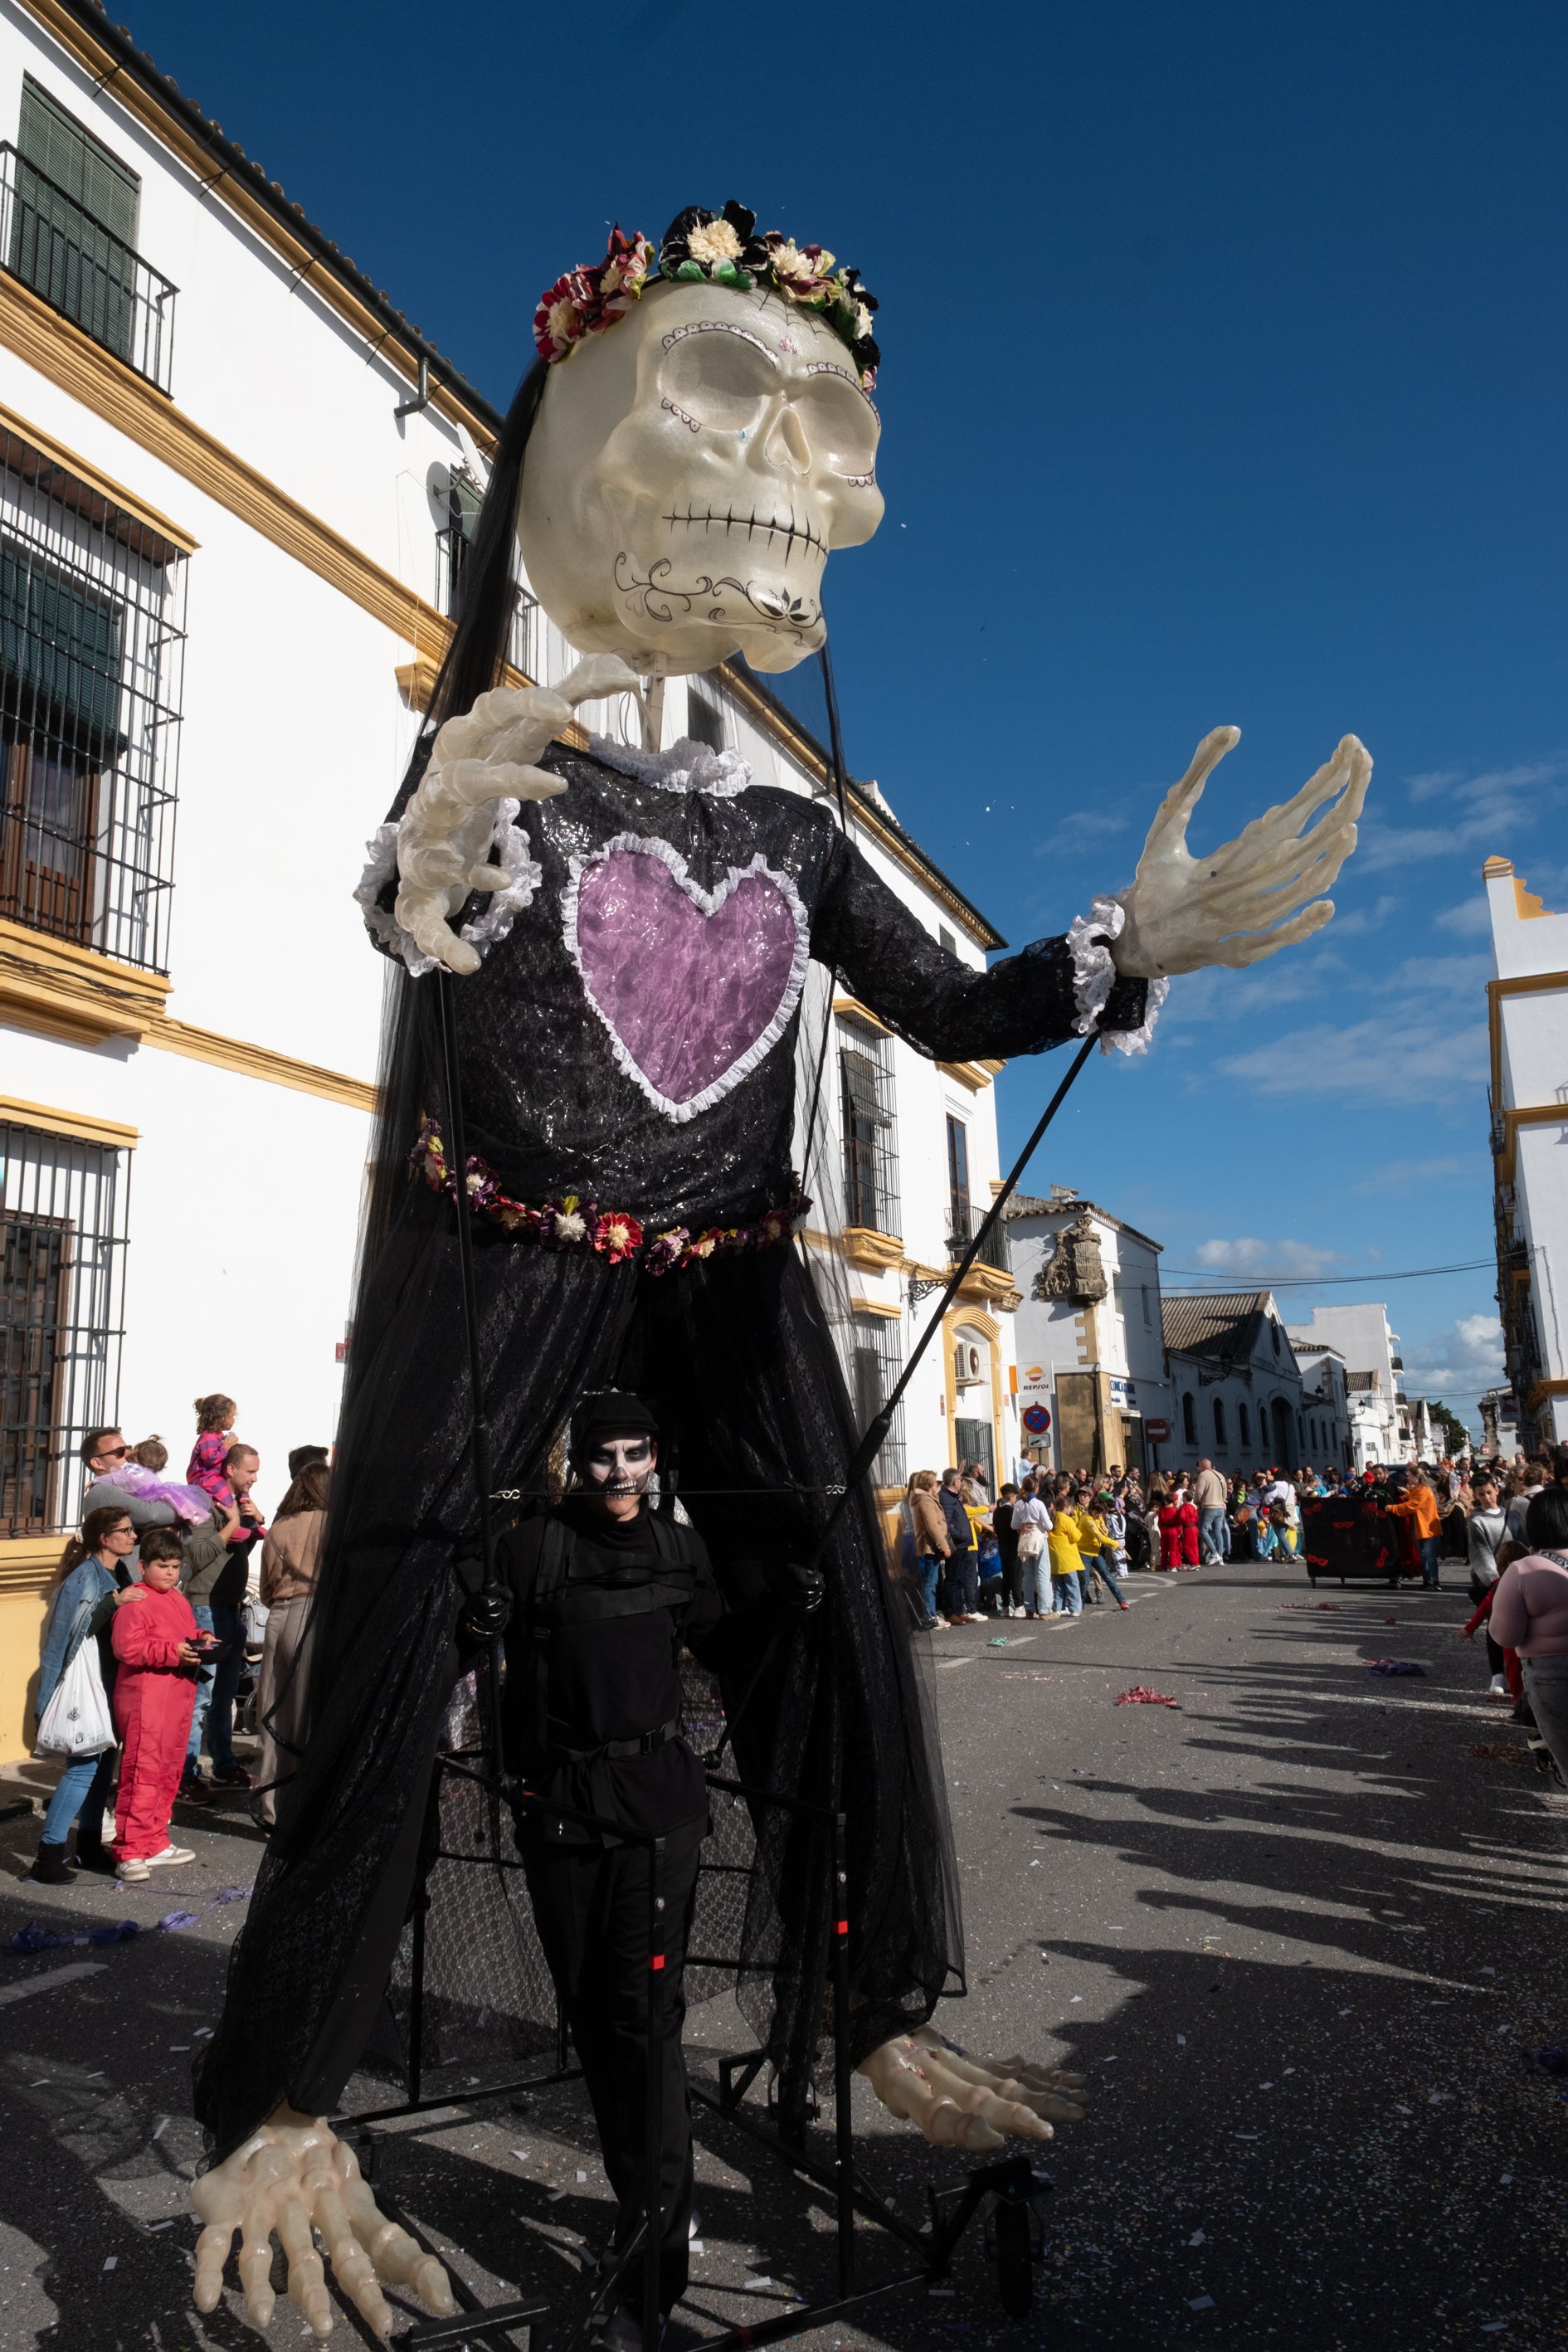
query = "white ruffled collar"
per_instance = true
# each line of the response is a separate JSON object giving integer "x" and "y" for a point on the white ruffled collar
{"x": 686, "y": 766}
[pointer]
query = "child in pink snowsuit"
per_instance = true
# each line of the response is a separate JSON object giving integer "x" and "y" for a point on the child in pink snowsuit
{"x": 155, "y": 1693}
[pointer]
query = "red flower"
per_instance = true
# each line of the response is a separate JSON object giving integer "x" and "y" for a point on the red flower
{"x": 617, "y": 1236}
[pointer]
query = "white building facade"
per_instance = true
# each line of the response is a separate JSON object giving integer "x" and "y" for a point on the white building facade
{"x": 1236, "y": 1387}
{"x": 1360, "y": 1335}
{"x": 236, "y": 488}
{"x": 1526, "y": 1003}
{"x": 1091, "y": 1362}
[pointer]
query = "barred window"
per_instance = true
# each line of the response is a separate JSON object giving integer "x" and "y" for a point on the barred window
{"x": 67, "y": 228}
{"x": 63, "y": 1207}
{"x": 526, "y": 648}
{"x": 92, "y": 659}
{"x": 876, "y": 1362}
{"x": 870, "y": 1129}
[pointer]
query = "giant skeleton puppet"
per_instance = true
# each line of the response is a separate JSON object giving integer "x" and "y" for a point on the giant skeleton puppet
{"x": 632, "y": 930}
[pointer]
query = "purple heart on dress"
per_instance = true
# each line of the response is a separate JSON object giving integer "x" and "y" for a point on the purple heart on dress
{"x": 693, "y": 986}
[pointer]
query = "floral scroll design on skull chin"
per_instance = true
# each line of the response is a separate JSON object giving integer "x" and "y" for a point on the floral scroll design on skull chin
{"x": 659, "y": 598}
{"x": 694, "y": 987}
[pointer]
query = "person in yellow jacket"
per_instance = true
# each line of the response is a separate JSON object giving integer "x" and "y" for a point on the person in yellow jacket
{"x": 1097, "y": 1549}
{"x": 1073, "y": 1533}
{"x": 1420, "y": 1507}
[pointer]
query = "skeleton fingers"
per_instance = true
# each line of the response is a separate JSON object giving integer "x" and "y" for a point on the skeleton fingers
{"x": 477, "y": 761}
{"x": 295, "y": 2176}
{"x": 1250, "y": 897}
{"x": 963, "y": 2102}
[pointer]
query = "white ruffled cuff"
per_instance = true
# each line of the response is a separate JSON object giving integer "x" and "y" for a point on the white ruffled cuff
{"x": 1094, "y": 976}
{"x": 509, "y": 847}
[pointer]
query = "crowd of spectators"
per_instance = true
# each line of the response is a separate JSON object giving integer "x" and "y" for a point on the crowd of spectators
{"x": 174, "y": 1608}
{"x": 1043, "y": 1544}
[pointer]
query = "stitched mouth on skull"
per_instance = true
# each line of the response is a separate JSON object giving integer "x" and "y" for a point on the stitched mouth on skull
{"x": 774, "y": 531}
{"x": 662, "y": 596}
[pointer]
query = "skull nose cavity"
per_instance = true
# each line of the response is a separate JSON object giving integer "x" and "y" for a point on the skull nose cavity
{"x": 787, "y": 447}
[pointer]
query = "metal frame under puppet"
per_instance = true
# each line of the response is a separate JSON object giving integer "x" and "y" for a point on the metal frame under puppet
{"x": 633, "y": 931}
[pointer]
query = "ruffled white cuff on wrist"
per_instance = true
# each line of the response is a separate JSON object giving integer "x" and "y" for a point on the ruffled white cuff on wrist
{"x": 509, "y": 847}
{"x": 1094, "y": 976}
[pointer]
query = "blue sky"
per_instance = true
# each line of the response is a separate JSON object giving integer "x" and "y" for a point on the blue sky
{"x": 1222, "y": 361}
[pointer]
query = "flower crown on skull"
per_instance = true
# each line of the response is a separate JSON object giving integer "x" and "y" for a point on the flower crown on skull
{"x": 724, "y": 250}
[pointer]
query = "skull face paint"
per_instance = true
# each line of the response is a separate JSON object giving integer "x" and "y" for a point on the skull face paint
{"x": 689, "y": 474}
{"x": 620, "y": 1467}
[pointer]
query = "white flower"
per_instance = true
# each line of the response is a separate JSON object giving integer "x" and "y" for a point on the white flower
{"x": 792, "y": 265}
{"x": 570, "y": 1226}
{"x": 862, "y": 320}
{"x": 713, "y": 242}
{"x": 562, "y": 321}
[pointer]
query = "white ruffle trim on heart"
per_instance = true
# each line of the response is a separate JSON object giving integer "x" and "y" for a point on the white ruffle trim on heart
{"x": 509, "y": 847}
{"x": 1094, "y": 976}
{"x": 686, "y": 766}
{"x": 707, "y": 903}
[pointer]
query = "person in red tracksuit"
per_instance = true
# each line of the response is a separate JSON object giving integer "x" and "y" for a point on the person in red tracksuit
{"x": 155, "y": 1643}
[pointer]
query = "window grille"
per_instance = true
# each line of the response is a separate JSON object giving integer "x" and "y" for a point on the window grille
{"x": 91, "y": 660}
{"x": 63, "y": 1207}
{"x": 704, "y": 721}
{"x": 870, "y": 1129}
{"x": 875, "y": 1362}
{"x": 527, "y": 648}
{"x": 67, "y": 229}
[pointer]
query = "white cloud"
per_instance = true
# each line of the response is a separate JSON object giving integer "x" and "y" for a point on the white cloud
{"x": 1407, "y": 1175}
{"x": 1454, "y": 975}
{"x": 1457, "y": 1363}
{"x": 1486, "y": 809}
{"x": 1078, "y": 828}
{"x": 1362, "y": 919}
{"x": 1406, "y": 1059}
{"x": 1471, "y": 919}
{"x": 1264, "y": 1261}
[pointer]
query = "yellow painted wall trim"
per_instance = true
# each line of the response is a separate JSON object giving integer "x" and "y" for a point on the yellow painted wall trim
{"x": 877, "y": 1306}
{"x": 128, "y": 502}
{"x": 1530, "y": 1115}
{"x": 973, "y": 1075}
{"x": 101, "y": 64}
{"x": 1541, "y": 1391}
{"x": 125, "y": 400}
{"x": 1526, "y": 905}
{"x": 70, "y": 992}
{"x": 866, "y": 1247}
{"x": 259, "y": 1062}
{"x": 853, "y": 1010}
{"x": 84, "y": 1125}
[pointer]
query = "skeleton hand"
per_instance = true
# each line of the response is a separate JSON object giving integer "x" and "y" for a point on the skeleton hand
{"x": 1240, "y": 902}
{"x": 960, "y": 2102}
{"x": 291, "y": 2175}
{"x": 485, "y": 756}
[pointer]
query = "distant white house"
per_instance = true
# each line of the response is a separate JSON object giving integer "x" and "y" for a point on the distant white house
{"x": 1235, "y": 1385}
{"x": 1092, "y": 1361}
{"x": 1325, "y": 1404}
{"x": 1359, "y": 1333}
{"x": 1527, "y": 1004}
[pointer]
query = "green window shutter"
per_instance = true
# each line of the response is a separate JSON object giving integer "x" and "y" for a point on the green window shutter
{"x": 58, "y": 146}
{"x": 60, "y": 648}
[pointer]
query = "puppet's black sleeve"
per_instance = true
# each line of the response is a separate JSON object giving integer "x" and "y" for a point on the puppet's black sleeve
{"x": 888, "y": 961}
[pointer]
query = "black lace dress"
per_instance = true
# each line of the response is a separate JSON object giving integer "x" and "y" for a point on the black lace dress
{"x": 628, "y": 1070}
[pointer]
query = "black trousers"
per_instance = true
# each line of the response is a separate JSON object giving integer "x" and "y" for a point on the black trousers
{"x": 591, "y": 1905}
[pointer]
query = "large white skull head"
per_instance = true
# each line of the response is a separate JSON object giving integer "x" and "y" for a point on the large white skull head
{"x": 689, "y": 470}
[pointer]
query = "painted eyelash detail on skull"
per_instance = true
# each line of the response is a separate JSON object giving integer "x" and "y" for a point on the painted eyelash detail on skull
{"x": 719, "y": 327}
{"x": 826, "y": 367}
{"x": 691, "y": 421}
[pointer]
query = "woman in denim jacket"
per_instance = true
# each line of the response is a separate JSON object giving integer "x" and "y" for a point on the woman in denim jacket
{"x": 91, "y": 1583}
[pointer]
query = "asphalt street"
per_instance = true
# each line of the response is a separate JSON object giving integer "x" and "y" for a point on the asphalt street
{"x": 1304, "y": 1942}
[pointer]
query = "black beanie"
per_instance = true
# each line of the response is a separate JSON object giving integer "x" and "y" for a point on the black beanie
{"x": 610, "y": 1413}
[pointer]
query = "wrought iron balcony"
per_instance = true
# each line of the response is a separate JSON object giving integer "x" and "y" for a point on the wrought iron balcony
{"x": 84, "y": 270}
{"x": 964, "y": 1224}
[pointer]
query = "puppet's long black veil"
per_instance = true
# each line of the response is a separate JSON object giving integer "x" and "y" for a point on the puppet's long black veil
{"x": 744, "y": 1357}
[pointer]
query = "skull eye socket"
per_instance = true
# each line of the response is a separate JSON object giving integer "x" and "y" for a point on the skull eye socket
{"x": 722, "y": 380}
{"x": 840, "y": 424}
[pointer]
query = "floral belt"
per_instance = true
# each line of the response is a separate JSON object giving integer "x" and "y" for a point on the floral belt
{"x": 574, "y": 1223}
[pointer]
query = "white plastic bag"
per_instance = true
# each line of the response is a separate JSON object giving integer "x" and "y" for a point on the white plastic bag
{"x": 77, "y": 1721}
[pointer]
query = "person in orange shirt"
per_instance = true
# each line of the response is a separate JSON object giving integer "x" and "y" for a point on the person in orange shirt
{"x": 1420, "y": 1507}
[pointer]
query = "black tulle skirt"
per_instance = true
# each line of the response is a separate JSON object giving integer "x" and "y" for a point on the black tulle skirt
{"x": 757, "y": 1429}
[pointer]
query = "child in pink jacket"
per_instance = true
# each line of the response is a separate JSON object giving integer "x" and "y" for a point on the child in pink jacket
{"x": 155, "y": 1641}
